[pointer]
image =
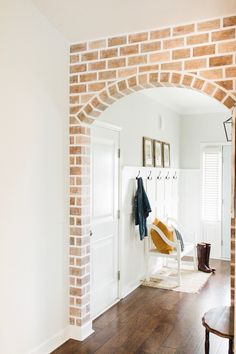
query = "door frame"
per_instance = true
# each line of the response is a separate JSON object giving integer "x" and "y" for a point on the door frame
{"x": 118, "y": 129}
{"x": 220, "y": 144}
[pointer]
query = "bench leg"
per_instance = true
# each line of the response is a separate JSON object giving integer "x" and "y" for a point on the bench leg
{"x": 230, "y": 346}
{"x": 207, "y": 342}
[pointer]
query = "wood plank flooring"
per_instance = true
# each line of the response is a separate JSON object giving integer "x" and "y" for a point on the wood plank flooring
{"x": 155, "y": 321}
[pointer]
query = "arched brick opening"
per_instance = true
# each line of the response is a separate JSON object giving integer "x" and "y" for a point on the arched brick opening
{"x": 79, "y": 177}
{"x": 121, "y": 88}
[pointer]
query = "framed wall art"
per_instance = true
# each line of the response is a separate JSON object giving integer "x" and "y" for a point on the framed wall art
{"x": 147, "y": 152}
{"x": 158, "y": 155}
{"x": 166, "y": 154}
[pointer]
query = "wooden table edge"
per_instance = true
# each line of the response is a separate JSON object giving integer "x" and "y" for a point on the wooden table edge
{"x": 220, "y": 334}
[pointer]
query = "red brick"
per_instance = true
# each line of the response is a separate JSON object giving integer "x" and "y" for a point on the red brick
{"x": 151, "y": 46}
{"x": 181, "y": 30}
{"x": 229, "y": 21}
{"x": 77, "y": 88}
{"x": 108, "y": 53}
{"x": 204, "y": 50}
{"x": 208, "y": 25}
{"x": 163, "y": 33}
{"x": 74, "y": 58}
{"x": 198, "y": 39}
{"x": 221, "y": 60}
{"x": 223, "y": 35}
{"x": 173, "y": 43}
{"x": 220, "y": 95}
{"x": 148, "y": 68}
{"x": 177, "y": 65}
{"x": 209, "y": 88}
{"x": 97, "y": 86}
{"x": 212, "y": 74}
{"x": 227, "y": 47}
{"x": 100, "y": 43}
{"x": 107, "y": 75}
{"x": 181, "y": 53}
{"x": 78, "y": 68}
{"x": 88, "y": 77}
{"x": 138, "y": 37}
{"x": 116, "y": 63}
{"x": 117, "y": 41}
{"x": 160, "y": 57}
{"x": 195, "y": 64}
{"x": 129, "y": 49}
{"x": 98, "y": 65}
{"x": 140, "y": 59}
{"x": 226, "y": 84}
{"x": 78, "y": 47}
{"x": 126, "y": 72}
{"x": 230, "y": 72}
{"x": 90, "y": 56}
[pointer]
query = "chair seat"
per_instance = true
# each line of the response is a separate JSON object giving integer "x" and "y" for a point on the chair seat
{"x": 188, "y": 247}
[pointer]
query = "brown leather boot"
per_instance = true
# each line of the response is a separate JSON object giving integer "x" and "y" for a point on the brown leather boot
{"x": 208, "y": 251}
{"x": 201, "y": 255}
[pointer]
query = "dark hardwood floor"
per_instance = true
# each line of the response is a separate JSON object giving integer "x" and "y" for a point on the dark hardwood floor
{"x": 158, "y": 321}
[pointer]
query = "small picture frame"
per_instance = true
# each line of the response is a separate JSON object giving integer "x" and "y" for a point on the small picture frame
{"x": 158, "y": 155}
{"x": 166, "y": 154}
{"x": 147, "y": 152}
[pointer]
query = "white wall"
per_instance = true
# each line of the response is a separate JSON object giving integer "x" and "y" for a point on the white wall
{"x": 33, "y": 180}
{"x": 138, "y": 115}
{"x": 194, "y": 130}
{"x": 197, "y": 129}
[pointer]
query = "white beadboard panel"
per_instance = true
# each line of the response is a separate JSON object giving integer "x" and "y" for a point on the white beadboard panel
{"x": 132, "y": 248}
{"x": 190, "y": 203}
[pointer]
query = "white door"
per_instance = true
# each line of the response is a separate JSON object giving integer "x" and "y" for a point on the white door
{"x": 104, "y": 213}
{"x": 226, "y": 196}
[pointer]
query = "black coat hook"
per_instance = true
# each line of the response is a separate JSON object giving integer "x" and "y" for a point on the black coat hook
{"x": 159, "y": 176}
{"x": 175, "y": 175}
{"x": 149, "y": 176}
{"x": 167, "y": 176}
{"x": 138, "y": 174}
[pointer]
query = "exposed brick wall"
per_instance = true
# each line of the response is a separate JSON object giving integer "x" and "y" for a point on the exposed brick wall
{"x": 199, "y": 56}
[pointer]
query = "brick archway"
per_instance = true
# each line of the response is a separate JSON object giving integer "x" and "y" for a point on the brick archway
{"x": 121, "y": 88}
{"x": 80, "y": 169}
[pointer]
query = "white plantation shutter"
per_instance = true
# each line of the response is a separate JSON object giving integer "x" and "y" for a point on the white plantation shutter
{"x": 211, "y": 179}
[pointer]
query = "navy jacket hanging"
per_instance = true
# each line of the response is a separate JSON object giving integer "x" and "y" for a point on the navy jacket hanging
{"x": 141, "y": 209}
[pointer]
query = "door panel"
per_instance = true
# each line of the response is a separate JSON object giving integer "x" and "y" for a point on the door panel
{"x": 104, "y": 223}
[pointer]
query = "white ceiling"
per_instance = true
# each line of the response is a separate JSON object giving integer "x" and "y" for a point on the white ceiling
{"x": 79, "y": 20}
{"x": 185, "y": 101}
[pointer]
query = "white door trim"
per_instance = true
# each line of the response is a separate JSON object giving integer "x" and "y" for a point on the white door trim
{"x": 106, "y": 125}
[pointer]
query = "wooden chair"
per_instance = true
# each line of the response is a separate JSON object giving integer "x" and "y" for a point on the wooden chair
{"x": 176, "y": 254}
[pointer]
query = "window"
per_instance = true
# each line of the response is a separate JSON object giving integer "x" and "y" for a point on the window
{"x": 211, "y": 183}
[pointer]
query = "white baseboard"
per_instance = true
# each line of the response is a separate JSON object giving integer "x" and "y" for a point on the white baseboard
{"x": 80, "y": 333}
{"x": 130, "y": 287}
{"x": 52, "y": 343}
{"x": 73, "y": 332}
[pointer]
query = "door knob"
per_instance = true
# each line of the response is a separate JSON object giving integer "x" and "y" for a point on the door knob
{"x": 90, "y": 233}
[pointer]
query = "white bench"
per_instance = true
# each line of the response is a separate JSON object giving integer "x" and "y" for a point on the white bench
{"x": 176, "y": 254}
